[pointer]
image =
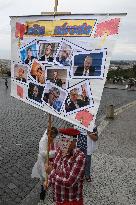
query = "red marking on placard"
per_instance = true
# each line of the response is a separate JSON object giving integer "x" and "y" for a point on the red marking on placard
{"x": 85, "y": 117}
{"x": 20, "y": 91}
{"x": 20, "y": 30}
{"x": 109, "y": 27}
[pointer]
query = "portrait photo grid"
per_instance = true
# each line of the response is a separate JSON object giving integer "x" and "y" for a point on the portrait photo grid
{"x": 46, "y": 67}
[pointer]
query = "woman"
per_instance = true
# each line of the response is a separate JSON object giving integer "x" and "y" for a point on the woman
{"x": 38, "y": 170}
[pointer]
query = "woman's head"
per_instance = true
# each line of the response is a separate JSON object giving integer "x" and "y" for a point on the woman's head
{"x": 68, "y": 139}
{"x": 54, "y": 132}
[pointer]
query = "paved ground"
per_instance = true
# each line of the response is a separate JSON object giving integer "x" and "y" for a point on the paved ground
{"x": 21, "y": 127}
{"x": 116, "y": 97}
{"x": 114, "y": 165}
{"x": 118, "y": 86}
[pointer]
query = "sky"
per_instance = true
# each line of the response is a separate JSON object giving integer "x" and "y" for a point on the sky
{"x": 125, "y": 48}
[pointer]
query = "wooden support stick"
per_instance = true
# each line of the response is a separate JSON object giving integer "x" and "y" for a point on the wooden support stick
{"x": 55, "y": 13}
{"x": 55, "y": 7}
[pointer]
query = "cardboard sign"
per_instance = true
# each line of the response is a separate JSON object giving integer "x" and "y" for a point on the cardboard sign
{"x": 60, "y": 63}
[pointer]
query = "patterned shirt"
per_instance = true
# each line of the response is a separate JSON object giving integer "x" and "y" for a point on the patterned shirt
{"x": 67, "y": 176}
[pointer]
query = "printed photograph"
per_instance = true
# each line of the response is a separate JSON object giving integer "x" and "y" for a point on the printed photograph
{"x": 38, "y": 72}
{"x": 20, "y": 72}
{"x": 35, "y": 92}
{"x": 64, "y": 54}
{"x": 20, "y": 91}
{"x": 47, "y": 51}
{"x": 88, "y": 65}
{"x": 57, "y": 76}
{"x": 27, "y": 54}
{"x": 54, "y": 96}
{"x": 78, "y": 98}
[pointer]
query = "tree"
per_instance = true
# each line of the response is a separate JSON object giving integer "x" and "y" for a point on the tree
{"x": 134, "y": 70}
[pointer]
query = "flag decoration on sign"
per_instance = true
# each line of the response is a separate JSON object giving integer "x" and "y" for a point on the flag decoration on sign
{"x": 20, "y": 30}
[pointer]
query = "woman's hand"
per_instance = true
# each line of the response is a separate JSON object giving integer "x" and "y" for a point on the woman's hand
{"x": 93, "y": 135}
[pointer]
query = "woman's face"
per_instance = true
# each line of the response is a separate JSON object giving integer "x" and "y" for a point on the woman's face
{"x": 48, "y": 50}
{"x": 64, "y": 144}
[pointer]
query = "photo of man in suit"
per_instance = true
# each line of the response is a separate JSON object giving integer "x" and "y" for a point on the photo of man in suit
{"x": 87, "y": 69}
{"x": 35, "y": 95}
{"x": 56, "y": 80}
{"x": 38, "y": 73}
{"x": 35, "y": 92}
{"x": 29, "y": 58}
{"x": 74, "y": 101}
{"x": 40, "y": 77}
{"x": 64, "y": 55}
{"x": 52, "y": 98}
{"x": 48, "y": 54}
{"x": 20, "y": 75}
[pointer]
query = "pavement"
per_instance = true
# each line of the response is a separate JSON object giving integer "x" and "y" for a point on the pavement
{"x": 120, "y": 87}
{"x": 116, "y": 97}
{"x": 21, "y": 127}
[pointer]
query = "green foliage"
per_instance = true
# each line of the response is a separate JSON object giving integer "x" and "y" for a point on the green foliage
{"x": 134, "y": 70}
{"x": 126, "y": 74}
